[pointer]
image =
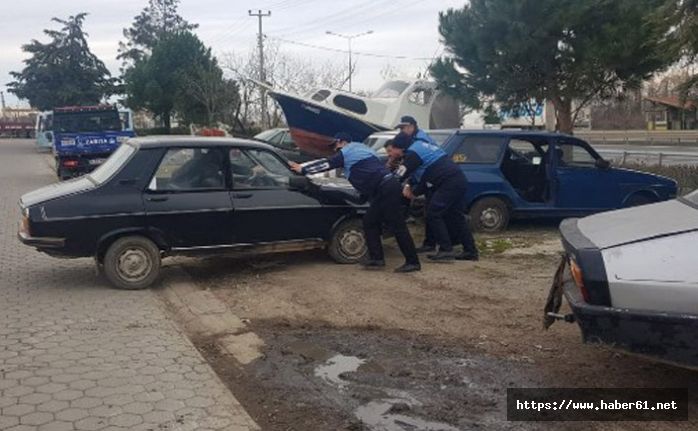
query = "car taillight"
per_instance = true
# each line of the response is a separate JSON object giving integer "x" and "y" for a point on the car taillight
{"x": 579, "y": 279}
{"x": 70, "y": 163}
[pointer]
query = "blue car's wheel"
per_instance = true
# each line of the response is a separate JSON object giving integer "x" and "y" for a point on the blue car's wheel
{"x": 489, "y": 215}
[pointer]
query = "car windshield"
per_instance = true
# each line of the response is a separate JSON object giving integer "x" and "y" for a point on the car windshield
{"x": 692, "y": 197}
{"x": 112, "y": 165}
{"x": 76, "y": 122}
{"x": 266, "y": 135}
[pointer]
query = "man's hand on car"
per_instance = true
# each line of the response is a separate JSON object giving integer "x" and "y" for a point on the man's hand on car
{"x": 295, "y": 167}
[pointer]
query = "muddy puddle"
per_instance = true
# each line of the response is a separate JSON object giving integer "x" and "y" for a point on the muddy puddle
{"x": 333, "y": 379}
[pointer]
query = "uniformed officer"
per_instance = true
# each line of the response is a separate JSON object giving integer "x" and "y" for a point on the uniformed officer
{"x": 371, "y": 178}
{"x": 427, "y": 165}
{"x": 408, "y": 126}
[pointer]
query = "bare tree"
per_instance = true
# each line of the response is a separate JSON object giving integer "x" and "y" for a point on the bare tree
{"x": 217, "y": 95}
{"x": 285, "y": 72}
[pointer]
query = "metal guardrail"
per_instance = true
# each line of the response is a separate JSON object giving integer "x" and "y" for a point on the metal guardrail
{"x": 646, "y": 137}
{"x": 651, "y": 158}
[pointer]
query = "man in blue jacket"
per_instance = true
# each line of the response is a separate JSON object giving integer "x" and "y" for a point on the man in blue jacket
{"x": 371, "y": 178}
{"x": 427, "y": 165}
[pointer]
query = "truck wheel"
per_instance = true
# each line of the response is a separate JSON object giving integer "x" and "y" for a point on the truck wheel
{"x": 489, "y": 215}
{"x": 348, "y": 242}
{"x": 132, "y": 263}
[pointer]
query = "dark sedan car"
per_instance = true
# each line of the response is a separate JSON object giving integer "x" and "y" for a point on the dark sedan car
{"x": 160, "y": 196}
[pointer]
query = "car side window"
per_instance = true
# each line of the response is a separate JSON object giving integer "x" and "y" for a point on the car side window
{"x": 522, "y": 151}
{"x": 257, "y": 169}
{"x": 478, "y": 149}
{"x": 188, "y": 169}
{"x": 574, "y": 156}
{"x": 276, "y": 138}
{"x": 287, "y": 142}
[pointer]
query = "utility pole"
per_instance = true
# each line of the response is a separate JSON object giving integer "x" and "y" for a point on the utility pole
{"x": 262, "y": 77}
{"x": 349, "y": 37}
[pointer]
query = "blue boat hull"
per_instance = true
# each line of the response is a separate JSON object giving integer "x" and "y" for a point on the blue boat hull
{"x": 312, "y": 126}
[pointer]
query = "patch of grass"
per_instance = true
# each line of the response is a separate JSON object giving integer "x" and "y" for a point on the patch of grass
{"x": 494, "y": 246}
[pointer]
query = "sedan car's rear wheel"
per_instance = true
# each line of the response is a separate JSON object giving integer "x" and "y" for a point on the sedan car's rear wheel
{"x": 132, "y": 263}
{"x": 489, "y": 215}
{"x": 348, "y": 242}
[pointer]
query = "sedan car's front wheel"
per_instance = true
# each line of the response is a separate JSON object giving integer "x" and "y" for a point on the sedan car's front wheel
{"x": 132, "y": 263}
{"x": 348, "y": 242}
{"x": 489, "y": 215}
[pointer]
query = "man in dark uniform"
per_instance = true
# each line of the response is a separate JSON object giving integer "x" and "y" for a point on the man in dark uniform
{"x": 371, "y": 178}
{"x": 427, "y": 165}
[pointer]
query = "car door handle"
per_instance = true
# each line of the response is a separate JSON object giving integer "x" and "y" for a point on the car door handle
{"x": 242, "y": 195}
{"x": 157, "y": 198}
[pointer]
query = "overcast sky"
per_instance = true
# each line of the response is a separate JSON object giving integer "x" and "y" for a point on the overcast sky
{"x": 401, "y": 28}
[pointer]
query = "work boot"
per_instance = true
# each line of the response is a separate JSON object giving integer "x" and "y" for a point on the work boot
{"x": 408, "y": 267}
{"x": 426, "y": 248}
{"x": 467, "y": 256}
{"x": 373, "y": 264}
{"x": 442, "y": 256}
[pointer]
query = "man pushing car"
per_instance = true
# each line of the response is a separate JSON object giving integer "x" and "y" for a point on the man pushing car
{"x": 427, "y": 165}
{"x": 371, "y": 178}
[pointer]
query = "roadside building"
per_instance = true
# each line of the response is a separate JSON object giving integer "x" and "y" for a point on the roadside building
{"x": 670, "y": 113}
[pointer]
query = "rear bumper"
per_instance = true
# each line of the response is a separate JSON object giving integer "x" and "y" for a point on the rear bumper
{"x": 41, "y": 242}
{"x": 667, "y": 337}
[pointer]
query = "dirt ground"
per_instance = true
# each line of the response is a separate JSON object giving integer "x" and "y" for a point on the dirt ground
{"x": 349, "y": 349}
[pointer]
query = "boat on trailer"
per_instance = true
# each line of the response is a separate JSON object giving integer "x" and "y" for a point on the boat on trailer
{"x": 315, "y": 118}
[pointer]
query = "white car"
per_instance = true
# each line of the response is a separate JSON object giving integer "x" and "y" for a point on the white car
{"x": 631, "y": 279}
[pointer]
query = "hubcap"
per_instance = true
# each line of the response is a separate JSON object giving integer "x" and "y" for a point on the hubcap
{"x": 352, "y": 243}
{"x": 490, "y": 218}
{"x": 134, "y": 264}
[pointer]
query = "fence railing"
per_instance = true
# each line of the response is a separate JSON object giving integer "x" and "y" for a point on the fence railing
{"x": 647, "y": 137}
{"x": 650, "y": 158}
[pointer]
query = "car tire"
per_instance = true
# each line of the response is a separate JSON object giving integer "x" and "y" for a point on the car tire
{"x": 132, "y": 263}
{"x": 348, "y": 242}
{"x": 638, "y": 199}
{"x": 489, "y": 215}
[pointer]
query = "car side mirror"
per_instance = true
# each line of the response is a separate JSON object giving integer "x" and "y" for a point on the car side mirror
{"x": 603, "y": 164}
{"x": 298, "y": 182}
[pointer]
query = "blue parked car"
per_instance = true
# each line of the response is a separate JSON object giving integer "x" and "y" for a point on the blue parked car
{"x": 517, "y": 174}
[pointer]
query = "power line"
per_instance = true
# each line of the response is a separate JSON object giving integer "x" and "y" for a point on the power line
{"x": 341, "y": 16}
{"x": 343, "y": 51}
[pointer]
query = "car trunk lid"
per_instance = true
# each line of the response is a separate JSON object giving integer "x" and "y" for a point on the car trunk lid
{"x": 614, "y": 228}
{"x": 57, "y": 190}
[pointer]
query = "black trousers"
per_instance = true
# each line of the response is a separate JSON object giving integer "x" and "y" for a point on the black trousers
{"x": 445, "y": 216}
{"x": 386, "y": 207}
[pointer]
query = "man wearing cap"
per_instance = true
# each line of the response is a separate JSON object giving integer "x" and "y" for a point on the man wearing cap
{"x": 371, "y": 178}
{"x": 427, "y": 165}
{"x": 408, "y": 126}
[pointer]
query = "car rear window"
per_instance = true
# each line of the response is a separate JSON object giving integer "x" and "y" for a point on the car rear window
{"x": 478, "y": 149}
